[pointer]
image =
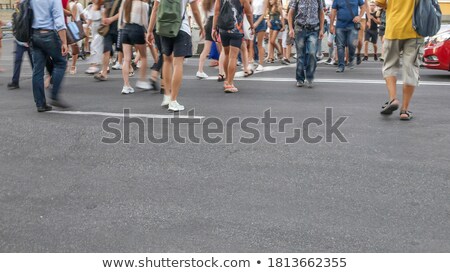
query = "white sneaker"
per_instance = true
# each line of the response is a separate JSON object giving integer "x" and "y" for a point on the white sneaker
{"x": 175, "y": 106}
{"x": 166, "y": 101}
{"x": 127, "y": 90}
{"x": 260, "y": 68}
{"x": 201, "y": 75}
{"x": 143, "y": 85}
{"x": 117, "y": 66}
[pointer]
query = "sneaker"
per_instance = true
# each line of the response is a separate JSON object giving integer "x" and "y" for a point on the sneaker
{"x": 319, "y": 56}
{"x": 143, "y": 85}
{"x": 340, "y": 70}
{"x": 131, "y": 74}
{"x": 300, "y": 84}
{"x": 12, "y": 86}
{"x": 381, "y": 59}
{"x": 166, "y": 101}
{"x": 127, "y": 90}
{"x": 92, "y": 70}
{"x": 175, "y": 106}
{"x": 260, "y": 68}
{"x": 366, "y": 58}
{"x": 201, "y": 75}
{"x": 117, "y": 66}
{"x": 358, "y": 59}
{"x": 329, "y": 61}
{"x": 351, "y": 65}
{"x": 375, "y": 57}
{"x": 44, "y": 108}
{"x": 309, "y": 84}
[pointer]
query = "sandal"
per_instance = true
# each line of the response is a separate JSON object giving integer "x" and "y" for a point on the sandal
{"x": 248, "y": 74}
{"x": 408, "y": 115}
{"x": 100, "y": 77}
{"x": 389, "y": 107}
{"x": 73, "y": 70}
{"x": 221, "y": 78}
{"x": 229, "y": 88}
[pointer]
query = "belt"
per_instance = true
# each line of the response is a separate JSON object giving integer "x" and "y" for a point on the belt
{"x": 42, "y": 30}
{"x": 309, "y": 26}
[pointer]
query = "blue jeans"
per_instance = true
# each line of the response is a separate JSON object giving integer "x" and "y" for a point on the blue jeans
{"x": 346, "y": 37}
{"x": 18, "y": 58}
{"x": 306, "y": 42}
{"x": 46, "y": 45}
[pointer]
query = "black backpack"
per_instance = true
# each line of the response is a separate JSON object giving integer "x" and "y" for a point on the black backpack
{"x": 226, "y": 16}
{"x": 22, "y": 20}
{"x": 427, "y": 17}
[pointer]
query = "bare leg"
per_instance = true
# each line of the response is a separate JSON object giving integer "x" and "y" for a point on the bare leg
{"x": 205, "y": 52}
{"x": 177, "y": 78}
{"x": 261, "y": 51}
{"x": 221, "y": 59}
{"x": 408, "y": 91}
{"x": 232, "y": 59}
{"x": 244, "y": 55}
{"x": 167, "y": 72}
{"x": 142, "y": 50}
{"x": 391, "y": 84}
{"x": 126, "y": 64}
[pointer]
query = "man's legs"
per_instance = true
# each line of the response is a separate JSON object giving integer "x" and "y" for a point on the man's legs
{"x": 341, "y": 40}
{"x": 59, "y": 69}
{"x": 312, "y": 39}
{"x": 232, "y": 59}
{"x": 18, "y": 58}
{"x": 410, "y": 70}
{"x": 352, "y": 42}
{"x": 167, "y": 72}
{"x": 301, "y": 57}
{"x": 39, "y": 59}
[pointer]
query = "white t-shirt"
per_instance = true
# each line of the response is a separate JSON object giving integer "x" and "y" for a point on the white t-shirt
{"x": 258, "y": 6}
{"x": 79, "y": 11}
{"x": 185, "y": 24}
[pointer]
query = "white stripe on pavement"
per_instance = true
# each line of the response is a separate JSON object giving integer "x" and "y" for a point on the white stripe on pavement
{"x": 121, "y": 115}
{"x": 357, "y": 81}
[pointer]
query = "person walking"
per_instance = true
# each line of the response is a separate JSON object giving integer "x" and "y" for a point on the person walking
{"x": 94, "y": 17}
{"x": 259, "y": 8}
{"x": 347, "y": 28}
{"x": 232, "y": 39}
{"x": 308, "y": 17}
{"x": 133, "y": 21}
{"x": 371, "y": 33}
{"x": 400, "y": 38}
{"x": 48, "y": 40}
{"x": 20, "y": 49}
{"x": 175, "y": 50}
{"x": 208, "y": 9}
{"x": 276, "y": 25}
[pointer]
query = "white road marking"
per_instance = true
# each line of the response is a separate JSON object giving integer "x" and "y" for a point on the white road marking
{"x": 121, "y": 115}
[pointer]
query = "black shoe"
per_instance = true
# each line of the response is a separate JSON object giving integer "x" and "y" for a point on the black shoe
{"x": 12, "y": 86}
{"x": 155, "y": 85}
{"x": 44, "y": 108}
{"x": 161, "y": 91}
{"x": 375, "y": 57}
{"x": 366, "y": 58}
{"x": 358, "y": 59}
{"x": 60, "y": 104}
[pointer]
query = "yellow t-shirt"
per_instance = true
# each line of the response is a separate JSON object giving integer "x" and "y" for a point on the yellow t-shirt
{"x": 399, "y": 14}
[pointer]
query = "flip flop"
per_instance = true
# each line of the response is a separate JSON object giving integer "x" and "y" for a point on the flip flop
{"x": 221, "y": 78}
{"x": 100, "y": 77}
{"x": 248, "y": 74}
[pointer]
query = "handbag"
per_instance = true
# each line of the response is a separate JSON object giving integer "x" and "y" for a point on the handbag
{"x": 356, "y": 25}
{"x": 104, "y": 29}
{"x": 75, "y": 32}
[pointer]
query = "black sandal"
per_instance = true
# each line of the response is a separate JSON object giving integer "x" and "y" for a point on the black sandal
{"x": 221, "y": 78}
{"x": 408, "y": 114}
{"x": 388, "y": 108}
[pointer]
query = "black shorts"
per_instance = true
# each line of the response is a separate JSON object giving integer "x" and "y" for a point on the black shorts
{"x": 371, "y": 36}
{"x": 231, "y": 39}
{"x": 208, "y": 29}
{"x": 133, "y": 34}
{"x": 180, "y": 46}
{"x": 110, "y": 40}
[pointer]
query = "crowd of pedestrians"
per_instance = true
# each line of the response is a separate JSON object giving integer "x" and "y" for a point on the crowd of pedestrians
{"x": 250, "y": 33}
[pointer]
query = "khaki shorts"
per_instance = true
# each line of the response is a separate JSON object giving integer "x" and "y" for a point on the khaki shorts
{"x": 410, "y": 49}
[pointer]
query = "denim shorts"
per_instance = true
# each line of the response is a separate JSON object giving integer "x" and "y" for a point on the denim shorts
{"x": 133, "y": 34}
{"x": 276, "y": 25}
{"x": 262, "y": 27}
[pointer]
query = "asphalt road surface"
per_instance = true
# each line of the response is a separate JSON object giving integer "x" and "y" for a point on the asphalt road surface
{"x": 386, "y": 189}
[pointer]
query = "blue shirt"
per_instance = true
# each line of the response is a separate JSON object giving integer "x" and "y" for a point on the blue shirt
{"x": 344, "y": 17}
{"x": 48, "y": 14}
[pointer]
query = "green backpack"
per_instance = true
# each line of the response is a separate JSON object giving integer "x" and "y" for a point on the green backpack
{"x": 169, "y": 18}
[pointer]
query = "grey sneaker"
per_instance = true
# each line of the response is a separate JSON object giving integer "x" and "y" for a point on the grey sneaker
{"x": 340, "y": 70}
{"x": 300, "y": 84}
{"x": 351, "y": 65}
{"x": 309, "y": 84}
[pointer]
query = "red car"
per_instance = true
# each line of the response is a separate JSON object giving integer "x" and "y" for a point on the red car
{"x": 436, "y": 53}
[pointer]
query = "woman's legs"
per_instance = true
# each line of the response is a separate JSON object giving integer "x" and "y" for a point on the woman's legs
{"x": 204, "y": 55}
{"x": 142, "y": 51}
{"x": 126, "y": 48}
{"x": 261, "y": 51}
